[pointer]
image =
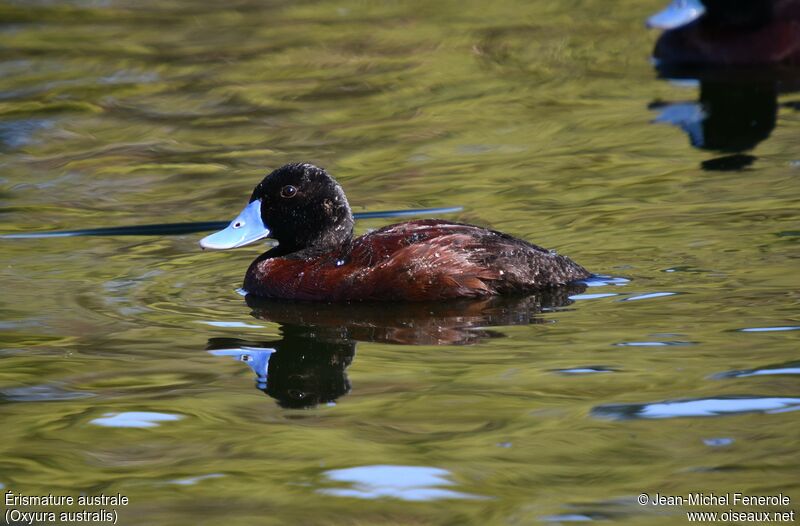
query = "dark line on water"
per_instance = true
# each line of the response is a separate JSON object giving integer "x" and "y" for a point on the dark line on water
{"x": 171, "y": 229}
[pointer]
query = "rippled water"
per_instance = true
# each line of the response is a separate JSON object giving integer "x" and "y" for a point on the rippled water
{"x": 131, "y": 365}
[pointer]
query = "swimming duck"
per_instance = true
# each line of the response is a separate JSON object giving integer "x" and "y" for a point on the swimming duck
{"x": 317, "y": 258}
{"x": 728, "y": 32}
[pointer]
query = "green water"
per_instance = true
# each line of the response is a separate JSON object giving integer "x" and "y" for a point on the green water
{"x": 534, "y": 116}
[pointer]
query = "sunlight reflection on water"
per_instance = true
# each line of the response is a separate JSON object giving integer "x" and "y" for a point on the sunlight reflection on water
{"x": 134, "y": 419}
{"x": 413, "y": 483}
{"x": 698, "y": 408}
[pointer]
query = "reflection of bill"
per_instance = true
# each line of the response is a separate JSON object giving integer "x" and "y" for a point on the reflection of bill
{"x": 307, "y": 365}
{"x": 298, "y": 373}
{"x": 255, "y": 357}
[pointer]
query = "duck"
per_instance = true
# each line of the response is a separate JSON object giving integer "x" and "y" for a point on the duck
{"x": 728, "y": 32}
{"x": 317, "y": 257}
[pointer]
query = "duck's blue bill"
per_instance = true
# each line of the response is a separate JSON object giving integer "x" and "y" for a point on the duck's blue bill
{"x": 677, "y": 14}
{"x": 245, "y": 229}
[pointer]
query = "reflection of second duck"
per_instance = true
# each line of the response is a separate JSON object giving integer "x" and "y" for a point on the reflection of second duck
{"x": 306, "y": 367}
{"x": 731, "y": 116}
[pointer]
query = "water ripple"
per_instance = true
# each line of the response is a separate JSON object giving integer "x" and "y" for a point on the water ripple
{"x": 593, "y": 296}
{"x": 42, "y": 393}
{"x": 191, "y": 481}
{"x": 653, "y": 344}
{"x": 771, "y": 329}
{"x": 568, "y": 517}
{"x": 593, "y": 369}
{"x": 787, "y": 368}
{"x": 649, "y": 296}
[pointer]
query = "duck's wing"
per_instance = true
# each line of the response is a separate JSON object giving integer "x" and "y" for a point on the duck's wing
{"x": 418, "y": 260}
{"x": 434, "y": 259}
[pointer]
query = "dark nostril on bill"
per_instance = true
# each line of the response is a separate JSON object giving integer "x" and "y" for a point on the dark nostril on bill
{"x": 237, "y": 224}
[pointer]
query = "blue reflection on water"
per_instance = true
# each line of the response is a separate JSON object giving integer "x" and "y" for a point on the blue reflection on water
{"x": 653, "y": 344}
{"x": 586, "y": 370}
{"x": 412, "y": 483}
{"x": 134, "y": 419}
{"x": 689, "y": 116}
{"x": 18, "y": 133}
{"x": 787, "y": 368}
{"x": 568, "y": 517}
{"x": 191, "y": 481}
{"x": 257, "y": 358}
{"x": 771, "y": 329}
{"x": 42, "y": 393}
{"x": 718, "y": 442}
{"x": 232, "y": 324}
{"x": 649, "y": 296}
{"x": 697, "y": 408}
{"x": 600, "y": 280}
{"x": 592, "y": 296}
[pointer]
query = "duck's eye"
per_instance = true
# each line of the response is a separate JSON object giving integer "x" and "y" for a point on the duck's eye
{"x": 288, "y": 191}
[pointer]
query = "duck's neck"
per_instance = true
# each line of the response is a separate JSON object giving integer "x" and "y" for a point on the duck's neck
{"x": 337, "y": 237}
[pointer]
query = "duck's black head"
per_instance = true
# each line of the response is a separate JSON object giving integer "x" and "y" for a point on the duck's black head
{"x": 303, "y": 206}
{"x": 299, "y": 205}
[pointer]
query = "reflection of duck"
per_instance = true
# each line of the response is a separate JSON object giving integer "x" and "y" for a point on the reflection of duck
{"x": 307, "y": 366}
{"x": 729, "y": 117}
{"x": 299, "y": 370}
{"x": 736, "y": 110}
{"x": 729, "y": 32}
{"x": 317, "y": 258}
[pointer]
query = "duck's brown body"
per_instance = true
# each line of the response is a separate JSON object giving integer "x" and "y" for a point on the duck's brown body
{"x": 413, "y": 261}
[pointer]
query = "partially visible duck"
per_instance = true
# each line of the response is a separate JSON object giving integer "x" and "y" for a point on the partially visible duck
{"x": 728, "y": 32}
{"x": 317, "y": 257}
